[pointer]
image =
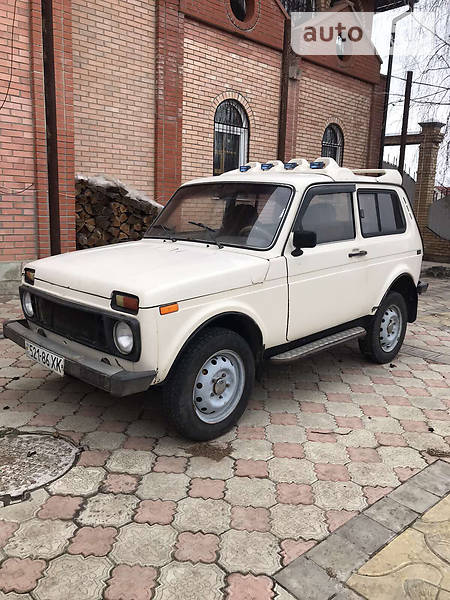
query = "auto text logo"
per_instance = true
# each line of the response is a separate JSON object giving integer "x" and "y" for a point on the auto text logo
{"x": 341, "y": 34}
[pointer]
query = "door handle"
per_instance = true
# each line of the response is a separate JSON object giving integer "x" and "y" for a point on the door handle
{"x": 357, "y": 253}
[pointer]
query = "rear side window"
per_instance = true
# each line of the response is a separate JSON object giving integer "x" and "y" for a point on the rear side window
{"x": 380, "y": 213}
{"x": 330, "y": 216}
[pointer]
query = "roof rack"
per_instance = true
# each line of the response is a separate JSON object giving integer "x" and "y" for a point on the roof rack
{"x": 369, "y": 172}
{"x": 323, "y": 165}
{"x": 338, "y": 173}
{"x": 381, "y": 175}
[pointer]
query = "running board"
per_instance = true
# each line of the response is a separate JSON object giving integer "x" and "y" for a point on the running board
{"x": 319, "y": 345}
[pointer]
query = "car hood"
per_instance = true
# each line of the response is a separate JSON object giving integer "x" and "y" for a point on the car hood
{"x": 157, "y": 271}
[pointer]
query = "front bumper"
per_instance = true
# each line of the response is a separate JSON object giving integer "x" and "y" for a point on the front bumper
{"x": 112, "y": 379}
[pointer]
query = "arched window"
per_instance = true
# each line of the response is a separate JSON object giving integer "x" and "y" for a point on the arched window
{"x": 333, "y": 143}
{"x": 230, "y": 136}
{"x": 239, "y": 8}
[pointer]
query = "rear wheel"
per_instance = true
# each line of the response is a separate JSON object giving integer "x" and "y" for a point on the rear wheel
{"x": 387, "y": 331}
{"x": 209, "y": 388}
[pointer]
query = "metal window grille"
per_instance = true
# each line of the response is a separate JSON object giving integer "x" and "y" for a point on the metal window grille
{"x": 299, "y": 5}
{"x": 231, "y": 134}
{"x": 333, "y": 143}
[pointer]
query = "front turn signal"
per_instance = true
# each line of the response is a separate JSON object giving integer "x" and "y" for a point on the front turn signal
{"x": 168, "y": 308}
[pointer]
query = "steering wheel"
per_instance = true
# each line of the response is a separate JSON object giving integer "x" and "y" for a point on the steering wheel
{"x": 257, "y": 229}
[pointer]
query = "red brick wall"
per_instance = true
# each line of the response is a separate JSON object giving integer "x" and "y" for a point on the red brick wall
{"x": 217, "y": 65}
{"x": 139, "y": 99}
{"x": 376, "y": 122}
{"x": 24, "y": 217}
{"x": 17, "y": 209}
{"x": 40, "y": 133}
{"x": 114, "y": 89}
{"x": 169, "y": 98}
{"x": 363, "y": 67}
{"x": 292, "y": 120}
{"x": 435, "y": 248}
{"x": 264, "y": 25}
{"x": 329, "y": 97}
{"x": 62, "y": 24}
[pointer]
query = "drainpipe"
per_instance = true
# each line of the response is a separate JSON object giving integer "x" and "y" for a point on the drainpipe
{"x": 395, "y": 20}
{"x": 284, "y": 92}
{"x": 48, "y": 48}
{"x": 403, "y": 136}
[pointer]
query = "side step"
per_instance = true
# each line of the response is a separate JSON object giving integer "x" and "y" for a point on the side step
{"x": 318, "y": 345}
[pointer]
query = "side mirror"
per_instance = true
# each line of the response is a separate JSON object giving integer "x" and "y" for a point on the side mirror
{"x": 303, "y": 239}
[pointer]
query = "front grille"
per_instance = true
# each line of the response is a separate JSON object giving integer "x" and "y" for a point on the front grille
{"x": 83, "y": 326}
{"x": 87, "y": 326}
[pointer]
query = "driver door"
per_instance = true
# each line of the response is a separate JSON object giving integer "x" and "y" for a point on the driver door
{"x": 327, "y": 284}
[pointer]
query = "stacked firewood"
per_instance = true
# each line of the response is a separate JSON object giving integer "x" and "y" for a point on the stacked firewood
{"x": 108, "y": 212}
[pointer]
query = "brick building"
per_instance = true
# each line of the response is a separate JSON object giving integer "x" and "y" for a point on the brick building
{"x": 156, "y": 92}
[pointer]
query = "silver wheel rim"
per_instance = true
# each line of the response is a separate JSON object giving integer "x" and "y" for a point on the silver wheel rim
{"x": 391, "y": 328}
{"x": 218, "y": 386}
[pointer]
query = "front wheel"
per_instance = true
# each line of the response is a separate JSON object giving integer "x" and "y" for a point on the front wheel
{"x": 387, "y": 331}
{"x": 210, "y": 385}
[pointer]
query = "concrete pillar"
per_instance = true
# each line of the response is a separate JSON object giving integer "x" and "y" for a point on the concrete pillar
{"x": 435, "y": 248}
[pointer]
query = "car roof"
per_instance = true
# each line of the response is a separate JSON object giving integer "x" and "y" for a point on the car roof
{"x": 301, "y": 173}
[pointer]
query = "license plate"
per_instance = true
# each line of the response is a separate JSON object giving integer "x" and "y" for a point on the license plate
{"x": 44, "y": 357}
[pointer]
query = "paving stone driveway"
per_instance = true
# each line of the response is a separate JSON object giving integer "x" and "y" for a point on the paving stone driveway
{"x": 413, "y": 566}
{"x": 145, "y": 514}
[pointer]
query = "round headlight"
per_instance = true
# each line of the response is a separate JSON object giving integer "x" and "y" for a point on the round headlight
{"x": 123, "y": 337}
{"x": 27, "y": 304}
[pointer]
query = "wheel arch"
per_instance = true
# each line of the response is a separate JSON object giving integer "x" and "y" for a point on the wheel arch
{"x": 236, "y": 321}
{"x": 404, "y": 285}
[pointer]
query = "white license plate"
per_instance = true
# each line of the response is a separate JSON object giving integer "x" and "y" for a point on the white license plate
{"x": 44, "y": 357}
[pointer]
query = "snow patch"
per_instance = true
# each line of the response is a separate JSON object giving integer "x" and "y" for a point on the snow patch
{"x": 105, "y": 181}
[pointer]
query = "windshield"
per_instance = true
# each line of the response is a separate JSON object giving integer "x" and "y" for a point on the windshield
{"x": 248, "y": 215}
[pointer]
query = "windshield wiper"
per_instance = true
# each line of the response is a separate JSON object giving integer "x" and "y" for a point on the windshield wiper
{"x": 166, "y": 230}
{"x": 209, "y": 230}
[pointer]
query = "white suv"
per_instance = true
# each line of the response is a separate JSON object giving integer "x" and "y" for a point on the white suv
{"x": 272, "y": 261}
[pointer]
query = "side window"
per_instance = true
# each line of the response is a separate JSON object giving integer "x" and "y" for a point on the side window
{"x": 368, "y": 214}
{"x": 380, "y": 213}
{"x": 330, "y": 216}
{"x": 391, "y": 218}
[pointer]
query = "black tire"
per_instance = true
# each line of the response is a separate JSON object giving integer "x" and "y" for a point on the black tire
{"x": 179, "y": 388}
{"x": 371, "y": 345}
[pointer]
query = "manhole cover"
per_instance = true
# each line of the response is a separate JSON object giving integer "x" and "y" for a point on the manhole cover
{"x": 30, "y": 460}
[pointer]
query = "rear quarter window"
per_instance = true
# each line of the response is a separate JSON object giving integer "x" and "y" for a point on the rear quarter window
{"x": 380, "y": 213}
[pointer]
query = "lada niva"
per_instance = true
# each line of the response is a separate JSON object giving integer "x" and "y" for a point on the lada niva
{"x": 271, "y": 261}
